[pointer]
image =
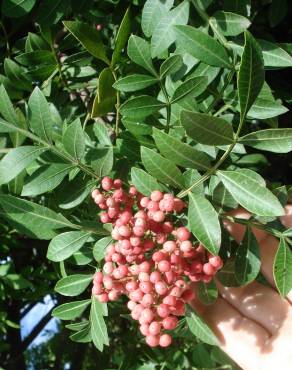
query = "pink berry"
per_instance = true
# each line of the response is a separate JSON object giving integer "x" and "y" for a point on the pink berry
{"x": 147, "y": 315}
{"x": 158, "y": 216}
{"x": 108, "y": 268}
{"x": 117, "y": 183}
{"x": 155, "y": 277}
{"x": 156, "y": 195}
{"x": 145, "y": 266}
{"x": 169, "y": 246}
{"x": 98, "y": 276}
{"x": 136, "y": 295}
{"x": 153, "y": 206}
{"x": 133, "y": 191}
{"x": 169, "y": 300}
{"x": 216, "y": 262}
{"x": 108, "y": 282}
{"x": 158, "y": 256}
{"x": 147, "y": 300}
{"x": 99, "y": 198}
{"x": 163, "y": 310}
{"x": 164, "y": 266}
{"x": 183, "y": 233}
{"x": 186, "y": 246}
{"x": 104, "y": 218}
{"x": 146, "y": 287}
{"x": 131, "y": 305}
{"x": 124, "y": 231}
{"x": 152, "y": 340}
{"x": 106, "y": 183}
{"x": 161, "y": 288}
{"x": 95, "y": 193}
{"x": 144, "y": 329}
{"x": 144, "y": 202}
{"x": 170, "y": 323}
{"x": 138, "y": 230}
{"x": 131, "y": 286}
{"x": 154, "y": 328}
{"x": 208, "y": 269}
{"x": 188, "y": 295}
{"x": 165, "y": 340}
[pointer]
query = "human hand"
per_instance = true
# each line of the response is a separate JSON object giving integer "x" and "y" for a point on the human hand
{"x": 253, "y": 323}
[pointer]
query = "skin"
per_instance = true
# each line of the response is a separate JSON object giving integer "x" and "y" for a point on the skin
{"x": 253, "y": 323}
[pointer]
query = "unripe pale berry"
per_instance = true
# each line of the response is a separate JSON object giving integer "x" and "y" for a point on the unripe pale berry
{"x": 169, "y": 246}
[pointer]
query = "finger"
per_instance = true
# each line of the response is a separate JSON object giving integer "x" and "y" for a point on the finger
{"x": 241, "y": 338}
{"x": 287, "y": 219}
{"x": 260, "y": 304}
{"x": 268, "y": 250}
{"x": 268, "y": 244}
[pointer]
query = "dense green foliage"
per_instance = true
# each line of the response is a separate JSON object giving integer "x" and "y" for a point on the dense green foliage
{"x": 191, "y": 97}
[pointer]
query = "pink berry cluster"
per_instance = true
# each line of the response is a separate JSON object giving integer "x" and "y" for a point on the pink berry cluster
{"x": 152, "y": 261}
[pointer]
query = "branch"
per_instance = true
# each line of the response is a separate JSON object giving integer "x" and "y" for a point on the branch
{"x": 36, "y": 330}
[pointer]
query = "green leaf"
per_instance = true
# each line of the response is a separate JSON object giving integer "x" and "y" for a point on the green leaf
{"x": 207, "y": 292}
{"x": 182, "y": 154}
{"x": 102, "y": 133}
{"x": 144, "y": 182}
{"x": 192, "y": 87}
{"x": 79, "y": 190}
{"x": 274, "y": 55}
{"x": 45, "y": 179}
{"x": 204, "y": 223}
{"x": 76, "y": 326}
{"x": 82, "y": 336}
{"x": 16, "y": 160}
{"x": 282, "y": 268}
{"x": 39, "y": 114}
{"x": 36, "y": 57}
{"x": 231, "y": 24}
{"x": 16, "y": 75}
{"x": 71, "y": 310}
{"x": 31, "y": 218}
{"x": 164, "y": 33}
{"x": 74, "y": 140}
{"x": 202, "y": 46}
{"x": 98, "y": 326}
{"x": 152, "y": 12}
{"x": 17, "y": 8}
{"x": 73, "y": 285}
{"x": 161, "y": 168}
{"x": 89, "y": 37}
{"x": 222, "y": 197}
{"x": 206, "y": 129}
{"x": 171, "y": 65}
{"x": 140, "y": 107}
{"x": 6, "y": 108}
{"x": 247, "y": 259}
{"x": 105, "y": 99}
{"x": 253, "y": 196}
{"x": 200, "y": 329}
{"x": 17, "y": 281}
{"x": 102, "y": 161}
{"x": 266, "y": 108}
{"x": 64, "y": 245}
{"x": 139, "y": 52}
{"x": 226, "y": 275}
{"x": 50, "y": 14}
{"x": 100, "y": 246}
{"x": 272, "y": 140}
{"x": 122, "y": 37}
{"x": 135, "y": 82}
{"x": 251, "y": 75}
